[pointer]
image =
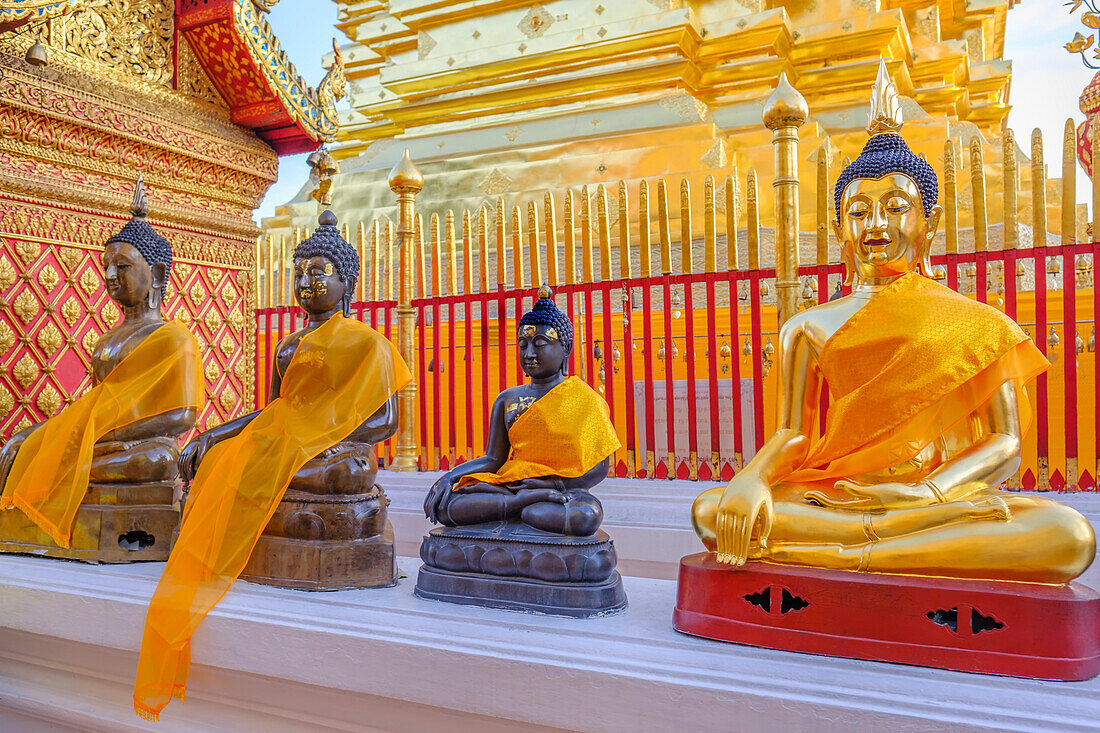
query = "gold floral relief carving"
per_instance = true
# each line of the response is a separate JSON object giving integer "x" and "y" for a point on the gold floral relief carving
{"x": 228, "y": 345}
{"x": 8, "y": 274}
{"x": 198, "y": 293}
{"x": 229, "y": 293}
{"x": 212, "y": 371}
{"x": 192, "y": 80}
{"x": 89, "y": 341}
{"x": 26, "y": 306}
{"x": 89, "y": 282}
{"x": 215, "y": 276}
{"x": 213, "y": 420}
{"x": 7, "y": 402}
{"x": 26, "y": 371}
{"x": 48, "y": 278}
{"x": 70, "y": 310}
{"x": 70, "y": 257}
{"x": 200, "y": 341}
{"x": 50, "y": 339}
{"x": 182, "y": 270}
{"x": 27, "y": 251}
{"x": 49, "y": 400}
{"x": 213, "y": 320}
{"x": 227, "y": 399}
{"x": 23, "y": 424}
{"x": 236, "y": 320}
{"x": 243, "y": 370}
{"x": 110, "y": 314}
{"x": 7, "y": 337}
{"x": 131, "y": 36}
{"x": 184, "y": 316}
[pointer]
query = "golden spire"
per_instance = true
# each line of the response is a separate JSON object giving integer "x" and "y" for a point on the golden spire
{"x": 885, "y": 114}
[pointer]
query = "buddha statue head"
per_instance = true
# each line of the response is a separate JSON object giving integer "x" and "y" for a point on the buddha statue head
{"x": 544, "y": 338}
{"x": 886, "y": 199}
{"x": 326, "y": 269}
{"x": 137, "y": 260}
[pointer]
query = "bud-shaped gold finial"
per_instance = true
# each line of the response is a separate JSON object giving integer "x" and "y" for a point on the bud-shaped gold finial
{"x": 404, "y": 176}
{"x": 544, "y": 291}
{"x": 785, "y": 107}
{"x": 885, "y": 114}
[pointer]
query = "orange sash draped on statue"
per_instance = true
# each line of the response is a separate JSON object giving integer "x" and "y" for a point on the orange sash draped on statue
{"x": 49, "y": 476}
{"x": 565, "y": 433}
{"x": 907, "y": 367}
{"x": 341, "y": 374}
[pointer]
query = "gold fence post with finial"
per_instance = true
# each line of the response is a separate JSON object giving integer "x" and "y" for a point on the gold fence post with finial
{"x": 406, "y": 181}
{"x": 784, "y": 113}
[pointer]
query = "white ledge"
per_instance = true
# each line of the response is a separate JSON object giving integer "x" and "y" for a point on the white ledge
{"x": 382, "y": 659}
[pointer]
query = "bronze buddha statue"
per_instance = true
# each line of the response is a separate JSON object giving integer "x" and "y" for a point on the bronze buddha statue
{"x": 927, "y": 414}
{"x": 332, "y": 499}
{"x": 146, "y": 391}
{"x": 525, "y": 508}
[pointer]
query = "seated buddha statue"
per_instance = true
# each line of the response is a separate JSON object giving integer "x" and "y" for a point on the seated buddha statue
{"x": 525, "y": 509}
{"x": 927, "y": 413}
{"x": 285, "y": 495}
{"x": 115, "y": 447}
{"x": 548, "y": 443}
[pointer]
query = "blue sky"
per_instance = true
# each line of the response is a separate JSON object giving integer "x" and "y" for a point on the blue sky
{"x": 1046, "y": 83}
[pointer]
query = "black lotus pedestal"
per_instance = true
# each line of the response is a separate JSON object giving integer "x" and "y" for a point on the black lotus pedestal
{"x": 513, "y": 566}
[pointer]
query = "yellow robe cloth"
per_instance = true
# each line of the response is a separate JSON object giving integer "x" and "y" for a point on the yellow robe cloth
{"x": 906, "y": 368}
{"x": 341, "y": 374}
{"x": 565, "y": 433}
{"x": 49, "y": 476}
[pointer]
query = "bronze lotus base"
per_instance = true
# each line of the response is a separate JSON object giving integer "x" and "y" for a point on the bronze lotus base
{"x": 116, "y": 523}
{"x": 512, "y": 566}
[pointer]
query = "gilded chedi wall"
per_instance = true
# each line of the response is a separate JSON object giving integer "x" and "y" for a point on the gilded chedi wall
{"x": 514, "y": 98}
{"x": 120, "y": 97}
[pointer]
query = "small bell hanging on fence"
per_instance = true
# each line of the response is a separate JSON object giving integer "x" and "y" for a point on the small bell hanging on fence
{"x": 675, "y": 351}
{"x": 1052, "y": 339}
{"x": 765, "y": 289}
{"x": 661, "y": 352}
{"x": 597, "y": 352}
{"x": 677, "y": 303}
{"x": 746, "y": 350}
{"x": 615, "y": 356}
{"x": 1080, "y": 344}
{"x": 1020, "y": 269}
{"x": 725, "y": 352}
{"x": 768, "y": 348}
{"x": 1054, "y": 265}
{"x": 1092, "y": 340}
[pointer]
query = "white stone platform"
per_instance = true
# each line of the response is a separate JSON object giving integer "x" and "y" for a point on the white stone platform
{"x": 381, "y": 659}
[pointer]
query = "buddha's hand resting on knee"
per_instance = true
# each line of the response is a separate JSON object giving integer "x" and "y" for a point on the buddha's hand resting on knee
{"x": 876, "y": 497}
{"x": 434, "y": 500}
{"x": 746, "y": 504}
{"x": 192, "y": 454}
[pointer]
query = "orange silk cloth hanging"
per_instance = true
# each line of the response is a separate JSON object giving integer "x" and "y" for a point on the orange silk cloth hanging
{"x": 340, "y": 375}
{"x": 49, "y": 476}
{"x": 565, "y": 433}
{"x": 915, "y": 361}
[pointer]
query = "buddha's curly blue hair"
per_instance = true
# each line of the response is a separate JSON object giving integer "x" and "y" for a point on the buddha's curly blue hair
{"x": 885, "y": 154}
{"x": 546, "y": 313}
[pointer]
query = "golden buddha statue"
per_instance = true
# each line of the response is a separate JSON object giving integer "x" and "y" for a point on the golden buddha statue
{"x": 285, "y": 495}
{"x": 96, "y": 481}
{"x": 928, "y": 411}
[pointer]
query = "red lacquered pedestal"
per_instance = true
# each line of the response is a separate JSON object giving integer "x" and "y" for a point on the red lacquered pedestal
{"x": 1018, "y": 629}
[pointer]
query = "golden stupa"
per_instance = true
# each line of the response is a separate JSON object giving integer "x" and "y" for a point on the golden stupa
{"x": 513, "y": 99}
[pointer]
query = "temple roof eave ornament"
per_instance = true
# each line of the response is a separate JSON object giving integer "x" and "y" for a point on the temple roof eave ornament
{"x": 15, "y": 14}
{"x": 229, "y": 37}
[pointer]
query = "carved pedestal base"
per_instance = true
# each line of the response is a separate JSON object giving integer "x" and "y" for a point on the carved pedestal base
{"x": 324, "y": 564}
{"x": 1018, "y": 629}
{"x": 513, "y": 566}
{"x": 115, "y": 523}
